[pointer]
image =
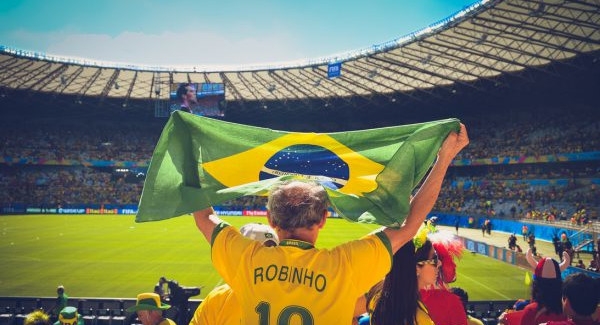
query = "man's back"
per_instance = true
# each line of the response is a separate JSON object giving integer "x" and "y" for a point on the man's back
{"x": 219, "y": 307}
{"x": 297, "y": 281}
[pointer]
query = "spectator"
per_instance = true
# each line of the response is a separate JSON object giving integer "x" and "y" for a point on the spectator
{"x": 579, "y": 300}
{"x": 149, "y": 309}
{"x": 545, "y": 291}
{"x": 464, "y": 298}
{"x": 297, "y": 211}
{"x": 62, "y": 301}
{"x": 220, "y": 305}
{"x": 443, "y": 306}
{"x": 395, "y": 300}
{"x": 69, "y": 316}
{"x": 545, "y": 303}
{"x": 37, "y": 317}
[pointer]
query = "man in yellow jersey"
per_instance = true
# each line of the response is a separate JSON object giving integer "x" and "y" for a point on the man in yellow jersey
{"x": 220, "y": 306}
{"x": 296, "y": 283}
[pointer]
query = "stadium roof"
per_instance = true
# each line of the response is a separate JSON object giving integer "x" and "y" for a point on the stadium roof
{"x": 484, "y": 42}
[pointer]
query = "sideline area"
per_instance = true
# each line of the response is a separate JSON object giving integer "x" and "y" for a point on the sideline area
{"x": 500, "y": 239}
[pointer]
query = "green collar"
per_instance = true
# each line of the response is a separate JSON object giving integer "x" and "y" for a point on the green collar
{"x": 296, "y": 243}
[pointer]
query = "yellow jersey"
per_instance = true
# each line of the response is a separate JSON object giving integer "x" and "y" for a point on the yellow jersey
{"x": 219, "y": 307}
{"x": 421, "y": 317}
{"x": 296, "y": 283}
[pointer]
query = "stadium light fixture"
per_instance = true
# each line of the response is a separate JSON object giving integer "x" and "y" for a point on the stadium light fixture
{"x": 539, "y": 10}
{"x": 426, "y": 59}
{"x": 482, "y": 39}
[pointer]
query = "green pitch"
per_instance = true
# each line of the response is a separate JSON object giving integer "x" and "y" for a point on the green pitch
{"x": 112, "y": 256}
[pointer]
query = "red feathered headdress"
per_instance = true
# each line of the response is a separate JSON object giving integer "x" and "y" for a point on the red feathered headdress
{"x": 448, "y": 247}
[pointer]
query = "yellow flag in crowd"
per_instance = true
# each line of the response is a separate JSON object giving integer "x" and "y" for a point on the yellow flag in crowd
{"x": 528, "y": 278}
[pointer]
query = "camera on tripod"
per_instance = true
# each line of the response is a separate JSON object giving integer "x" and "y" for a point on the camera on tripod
{"x": 179, "y": 294}
{"x": 190, "y": 292}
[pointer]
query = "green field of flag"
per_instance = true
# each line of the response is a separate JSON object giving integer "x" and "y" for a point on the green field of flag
{"x": 115, "y": 257}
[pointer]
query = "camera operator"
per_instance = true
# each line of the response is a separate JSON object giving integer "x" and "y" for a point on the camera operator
{"x": 178, "y": 299}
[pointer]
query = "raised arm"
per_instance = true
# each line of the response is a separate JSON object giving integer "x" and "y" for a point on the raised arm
{"x": 206, "y": 221}
{"x": 424, "y": 200}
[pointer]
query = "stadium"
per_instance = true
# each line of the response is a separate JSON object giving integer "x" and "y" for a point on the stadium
{"x": 78, "y": 135}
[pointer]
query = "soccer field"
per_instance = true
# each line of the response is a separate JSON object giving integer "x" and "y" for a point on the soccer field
{"x": 112, "y": 256}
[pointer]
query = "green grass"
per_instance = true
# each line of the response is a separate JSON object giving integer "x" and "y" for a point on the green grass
{"x": 485, "y": 278}
{"x": 112, "y": 256}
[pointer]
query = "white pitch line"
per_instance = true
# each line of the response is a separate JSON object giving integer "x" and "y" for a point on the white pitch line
{"x": 462, "y": 276}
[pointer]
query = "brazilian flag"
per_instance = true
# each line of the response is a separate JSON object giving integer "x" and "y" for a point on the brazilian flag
{"x": 369, "y": 175}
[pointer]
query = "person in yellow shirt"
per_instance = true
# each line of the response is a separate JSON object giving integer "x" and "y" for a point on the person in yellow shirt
{"x": 220, "y": 306}
{"x": 296, "y": 283}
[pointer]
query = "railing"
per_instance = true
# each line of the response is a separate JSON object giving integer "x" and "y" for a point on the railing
{"x": 112, "y": 311}
{"x": 94, "y": 311}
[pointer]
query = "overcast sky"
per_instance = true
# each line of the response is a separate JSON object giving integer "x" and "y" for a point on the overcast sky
{"x": 212, "y": 34}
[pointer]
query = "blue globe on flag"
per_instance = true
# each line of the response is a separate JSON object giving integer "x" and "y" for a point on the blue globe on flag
{"x": 310, "y": 161}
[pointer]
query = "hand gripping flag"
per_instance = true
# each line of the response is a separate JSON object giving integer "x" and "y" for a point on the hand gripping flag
{"x": 369, "y": 175}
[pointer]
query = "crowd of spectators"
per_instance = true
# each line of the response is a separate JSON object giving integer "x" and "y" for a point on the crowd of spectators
{"x": 544, "y": 133}
{"x": 62, "y": 186}
{"x": 503, "y": 192}
{"x": 57, "y": 164}
{"x": 79, "y": 142}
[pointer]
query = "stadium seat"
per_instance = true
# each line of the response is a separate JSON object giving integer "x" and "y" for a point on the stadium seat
{"x": 24, "y": 307}
{"x": 46, "y": 304}
{"x": 7, "y": 315}
{"x": 89, "y": 318}
{"x": 119, "y": 317}
{"x": 479, "y": 309}
{"x": 20, "y": 315}
{"x": 103, "y": 316}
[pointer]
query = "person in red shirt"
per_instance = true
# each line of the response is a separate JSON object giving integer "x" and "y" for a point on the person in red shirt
{"x": 444, "y": 307}
{"x": 546, "y": 289}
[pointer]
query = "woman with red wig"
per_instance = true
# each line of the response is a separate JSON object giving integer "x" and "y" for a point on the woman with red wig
{"x": 444, "y": 307}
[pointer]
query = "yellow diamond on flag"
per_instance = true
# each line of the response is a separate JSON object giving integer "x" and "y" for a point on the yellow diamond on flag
{"x": 247, "y": 167}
